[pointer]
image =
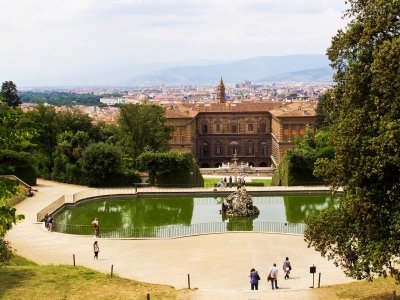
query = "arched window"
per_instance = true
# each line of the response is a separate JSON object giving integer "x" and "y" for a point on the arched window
{"x": 204, "y": 149}
{"x": 219, "y": 150}
{"x": 218, "y": 127}
{"x": 263, "y": 126}
{"x": 250, "y": 148}
{"x": 250, "y": 125}
{"x": 234, "y": 127}
{"x": 234, "y": 148}
{"x": 204, "y": 127}
{"x": 263, "y": 146}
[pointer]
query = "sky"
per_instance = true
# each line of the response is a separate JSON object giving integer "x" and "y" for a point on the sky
{"x": 52, "y": 41}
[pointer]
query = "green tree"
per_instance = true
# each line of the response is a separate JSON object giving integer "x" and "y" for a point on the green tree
{"x": 142, "y": 127}
{"x": 297, "y": 165}
{"x": 100, "y": 161}
{"x": 72, "y": 144}
{"x": 9, "y": 94}
{"x": 13, "y": 135}
{"x": 44, "y": 120}
{"x": 363, "y": 235}
{"x": 170, "y": 168}
{"x": 75, "y": 120}
{"x": 8, "y": 216}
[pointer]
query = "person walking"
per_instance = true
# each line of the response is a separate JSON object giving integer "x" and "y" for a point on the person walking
{"x": 96, "y": 227}
{"x": 273, "y": 275}
{"x": 46, "y": 221}
{"x": 254, "y": 278}
{"x": 287, "y": 267}
{"x": 50, "y": 222}
{"x": 96, "y": 250}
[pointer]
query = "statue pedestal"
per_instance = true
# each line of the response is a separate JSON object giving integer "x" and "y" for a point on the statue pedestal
{"x": 239, "y": 204}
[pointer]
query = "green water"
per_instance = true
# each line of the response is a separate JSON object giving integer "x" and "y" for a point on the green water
{"x": 177, "y": 210}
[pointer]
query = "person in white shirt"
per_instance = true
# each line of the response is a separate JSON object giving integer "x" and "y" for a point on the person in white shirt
{"x": 273, "y": 274}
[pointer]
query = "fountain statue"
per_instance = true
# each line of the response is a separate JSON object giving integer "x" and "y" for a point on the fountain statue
{"x": 239, "y": 204}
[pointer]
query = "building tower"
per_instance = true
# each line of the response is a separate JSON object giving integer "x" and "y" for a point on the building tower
{"x": 220, "y": 92}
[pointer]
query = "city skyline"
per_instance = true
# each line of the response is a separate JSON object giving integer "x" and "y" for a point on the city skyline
{"x": 50, "y": 42}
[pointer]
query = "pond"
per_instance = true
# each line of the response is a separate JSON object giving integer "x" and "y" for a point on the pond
{"x": 166, "y": 211}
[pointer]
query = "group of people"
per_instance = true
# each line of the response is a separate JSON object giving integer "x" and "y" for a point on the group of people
{"x": 224, "y": 183}
{"x": 272, "y": 275}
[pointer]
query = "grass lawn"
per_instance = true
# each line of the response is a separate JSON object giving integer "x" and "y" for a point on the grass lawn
{"x": 380, "y": 288}
{"x": 209, "y": 182}
{"x": 26, "y": 280}
{"x": 17, "y": 198}
{"x": 267, "y": 182}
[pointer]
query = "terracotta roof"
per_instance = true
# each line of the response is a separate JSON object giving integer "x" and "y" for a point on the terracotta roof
{"x": 233, "y": 107}
{"x": 176, "y": 113}
{"x": 297, "y": 109}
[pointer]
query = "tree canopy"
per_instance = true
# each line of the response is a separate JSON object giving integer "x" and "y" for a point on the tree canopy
{"x": 9, "y": 94}
{"x": 8, "y": 216}
{"x": 363, "y": 113}
{"x": 142, "y": 127}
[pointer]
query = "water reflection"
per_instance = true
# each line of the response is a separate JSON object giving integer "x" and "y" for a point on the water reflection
{"x": 298, "y": 208}
{"x": 130, "y": 212}
{"x": 164, "y": 211}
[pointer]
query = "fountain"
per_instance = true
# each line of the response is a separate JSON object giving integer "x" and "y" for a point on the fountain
{"x": 239, "y": 204}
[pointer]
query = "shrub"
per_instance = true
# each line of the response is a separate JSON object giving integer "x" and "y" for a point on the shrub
{"x": 173, "y": 169}
{"x": 6, "y": 253}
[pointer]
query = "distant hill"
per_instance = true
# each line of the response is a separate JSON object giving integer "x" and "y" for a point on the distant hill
{"x": 263, "y": 68}
{"x": 313, "y": 75}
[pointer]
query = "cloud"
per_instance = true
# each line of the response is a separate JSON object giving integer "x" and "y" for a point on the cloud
{"x": 62, "y": 37}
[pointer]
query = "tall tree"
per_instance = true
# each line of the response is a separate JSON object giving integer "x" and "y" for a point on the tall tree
{"x": 9, "y": 94}
{"x": 44, "y": 120}
{"x": 13, "y": 135}
{"x": 363, "y": 234}
{"x": 142, "y": 127}
{"x": 8, "y": 217}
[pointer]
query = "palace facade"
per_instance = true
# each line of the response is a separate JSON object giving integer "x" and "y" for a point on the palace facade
{"x": 258, "y": 133}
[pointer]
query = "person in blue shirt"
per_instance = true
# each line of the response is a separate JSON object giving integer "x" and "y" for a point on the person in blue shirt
{"x": 254, "y": 278}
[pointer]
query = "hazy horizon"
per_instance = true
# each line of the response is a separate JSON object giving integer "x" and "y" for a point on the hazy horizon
{"x": 82, "y": 42}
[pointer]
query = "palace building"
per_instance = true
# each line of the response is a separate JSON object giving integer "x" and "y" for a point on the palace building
{"x": 258, "y": 133}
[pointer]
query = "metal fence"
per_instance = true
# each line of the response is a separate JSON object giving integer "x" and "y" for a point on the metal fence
{"x": 174, "y": 231}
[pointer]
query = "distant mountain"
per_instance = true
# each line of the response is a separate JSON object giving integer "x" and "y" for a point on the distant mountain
{"x": 254, "y": 69}
{"x": 313, "y": 75}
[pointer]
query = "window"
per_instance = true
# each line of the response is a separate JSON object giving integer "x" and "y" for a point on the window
{"x": 218, "y": 127}
{"x": 218, "y": 150}
{"x": 204, "y": 128}
{"x": 250, "y": 148}
{"x": 302, "y": 130}
{"x": 234, "y": 128}
{"x": 287, "y": 133}
{"x": 250, "y": 127}
{"x": 204, "y": 149}
{"x": 234, "y": 148}
{"x": 263, "y": 126}
{"x": 264, "y": 148}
